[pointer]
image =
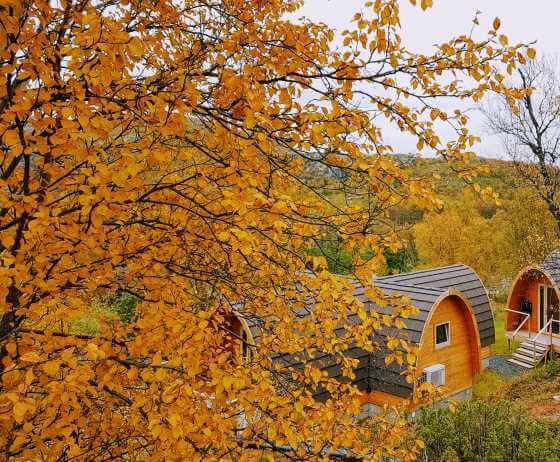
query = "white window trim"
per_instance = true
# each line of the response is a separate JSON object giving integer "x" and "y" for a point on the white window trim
{"x": 444, "y": 344}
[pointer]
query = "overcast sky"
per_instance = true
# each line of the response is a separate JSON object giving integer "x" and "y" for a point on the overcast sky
{"x": 522, "y": 21}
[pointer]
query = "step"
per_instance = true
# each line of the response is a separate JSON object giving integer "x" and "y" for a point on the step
{"x": 527, "y": 359}
{"x": 536, "y": 343}
{"x": 536, "y": 354}
{"x": 537, "y": 346}
{"x": 519, "y": 363}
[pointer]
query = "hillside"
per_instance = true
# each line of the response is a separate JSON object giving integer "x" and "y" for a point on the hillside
{"x": 496, "y": 236}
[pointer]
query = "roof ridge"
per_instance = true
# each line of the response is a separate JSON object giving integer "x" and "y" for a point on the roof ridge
{"x": 427, "y": 270}
{"x": 411, "y": 286}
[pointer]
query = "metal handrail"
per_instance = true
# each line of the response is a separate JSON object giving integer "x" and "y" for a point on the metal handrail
{"x": 520, "y": 326}
{"x": 543, "y": 329}
{"x": 534, "y": 339}
{"x": 515, "y": 311}
{"x": 527, "y": 317}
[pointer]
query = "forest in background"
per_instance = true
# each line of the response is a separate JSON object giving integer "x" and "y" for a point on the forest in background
{"x": 497, "y": 238}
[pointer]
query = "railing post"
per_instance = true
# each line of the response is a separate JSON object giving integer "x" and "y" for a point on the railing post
{"x": 545, "y": 355}
{"x": 551, "y": 333}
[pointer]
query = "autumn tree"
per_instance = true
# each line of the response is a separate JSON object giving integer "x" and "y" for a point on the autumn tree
{"x": 530, "y": 129}
{"x": 161, "y": 149}
{"x": 528, "y": 239}
{"x": 496, "y": 246}
{"x": 459, "y": 234}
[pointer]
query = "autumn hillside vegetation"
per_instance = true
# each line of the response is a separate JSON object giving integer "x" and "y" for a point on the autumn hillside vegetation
{"x": 497, "y": 227}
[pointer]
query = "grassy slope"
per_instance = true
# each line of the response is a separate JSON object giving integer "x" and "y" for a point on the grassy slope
{"x": 501, "y": 345}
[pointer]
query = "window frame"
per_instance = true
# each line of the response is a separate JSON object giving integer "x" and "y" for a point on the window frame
{"x": 446, "y": 343}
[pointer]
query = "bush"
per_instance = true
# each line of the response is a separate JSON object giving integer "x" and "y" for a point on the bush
{"x": 487, "y": 383}
{"x": 479, "y": 431}
{"x": 553, "y": 367}
{"x": 122, "y": 304}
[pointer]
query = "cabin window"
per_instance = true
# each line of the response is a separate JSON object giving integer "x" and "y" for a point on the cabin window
{"x": 443, "y": 334}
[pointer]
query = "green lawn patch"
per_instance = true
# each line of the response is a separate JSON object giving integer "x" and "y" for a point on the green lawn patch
{"x": 501, "y": 345}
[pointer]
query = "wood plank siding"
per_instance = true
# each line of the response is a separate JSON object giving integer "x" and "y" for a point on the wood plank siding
{"x": 461, "y": 357}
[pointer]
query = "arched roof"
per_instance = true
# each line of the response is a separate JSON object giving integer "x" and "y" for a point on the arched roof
{"x": 462, "y": 278}
{"x": 551, "y": 266}
{"x": 425, "y": 289}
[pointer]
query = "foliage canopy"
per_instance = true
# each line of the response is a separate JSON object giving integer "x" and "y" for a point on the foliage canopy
{"x": 161, "y": 149}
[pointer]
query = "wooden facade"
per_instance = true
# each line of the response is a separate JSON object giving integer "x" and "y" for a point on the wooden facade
{"x": 461, "y": 358}
{"x": 533, "y": 306}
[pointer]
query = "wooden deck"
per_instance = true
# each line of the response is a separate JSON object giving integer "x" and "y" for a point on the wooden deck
{"x": 543, "y": 339}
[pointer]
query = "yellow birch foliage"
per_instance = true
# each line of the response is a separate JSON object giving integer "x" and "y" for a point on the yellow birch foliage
{"x": 163, "y": 149}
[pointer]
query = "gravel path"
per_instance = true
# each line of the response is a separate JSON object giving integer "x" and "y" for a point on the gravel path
{"x": 499, "y": 364}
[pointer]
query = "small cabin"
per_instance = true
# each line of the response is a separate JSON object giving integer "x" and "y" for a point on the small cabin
{"x": 454, "y": 332}
{"x": 453, "y": 329}
{"x": 532, "y": 315}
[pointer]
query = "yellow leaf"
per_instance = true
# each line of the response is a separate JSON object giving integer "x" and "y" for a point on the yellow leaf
{"x": 227, "y": 381}
{"x": 51, "y": 367}
{"x": 285, "y": 97}
{"x": 11, "y": 348}
{"x": 136, "y": 47}
{"x": 20, "y": 409}
{"x": 93, "y": 352}
{"x": 362, "y": 314}
{"x": 496, "y": 24}
{"x": 11, "y": 137}
{"x": 316, "y": 375}
{"x": 19, "y": 441}
{"x": 531, "y": 53}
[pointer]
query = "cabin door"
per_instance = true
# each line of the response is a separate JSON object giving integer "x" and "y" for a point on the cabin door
{"x": 549, "y": 308}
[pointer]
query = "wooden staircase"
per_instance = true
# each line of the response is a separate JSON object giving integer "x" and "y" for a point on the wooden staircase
{"x": 529, "y": 354}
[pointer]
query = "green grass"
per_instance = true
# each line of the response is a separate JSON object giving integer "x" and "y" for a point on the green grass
{"x": 501, "y": 345}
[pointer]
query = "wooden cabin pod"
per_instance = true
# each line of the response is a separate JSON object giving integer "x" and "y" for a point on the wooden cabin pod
{"x": 453, "y": 329}
{"x": 533, "y": 311}
{"x": 454, "y": 332}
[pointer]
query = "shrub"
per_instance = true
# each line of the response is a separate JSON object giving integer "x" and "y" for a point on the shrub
{"x": 123, "y": 305}
{"x": 487, "y": 432}
{"x": 553, "y": 367}
{"x": 487, "y": 383}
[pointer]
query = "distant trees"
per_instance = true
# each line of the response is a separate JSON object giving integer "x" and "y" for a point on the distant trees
{"x": 460, "y": 234}
{"x": 519, "y": 231}
{"x": 339, "y": 260}
{"x": 530, "y": 129}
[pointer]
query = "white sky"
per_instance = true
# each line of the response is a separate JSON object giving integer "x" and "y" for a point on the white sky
{"x": 522, "y": 21}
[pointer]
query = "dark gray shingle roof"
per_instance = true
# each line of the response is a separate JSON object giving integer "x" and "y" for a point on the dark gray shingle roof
{"x": 551, "y": 266}
{"x": 423, "y": 288}
{"x": 464, "y": 279}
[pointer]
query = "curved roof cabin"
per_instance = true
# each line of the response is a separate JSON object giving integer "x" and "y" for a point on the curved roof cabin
{"x": 454, "y": 330}
{"x": 533, "y": 313}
